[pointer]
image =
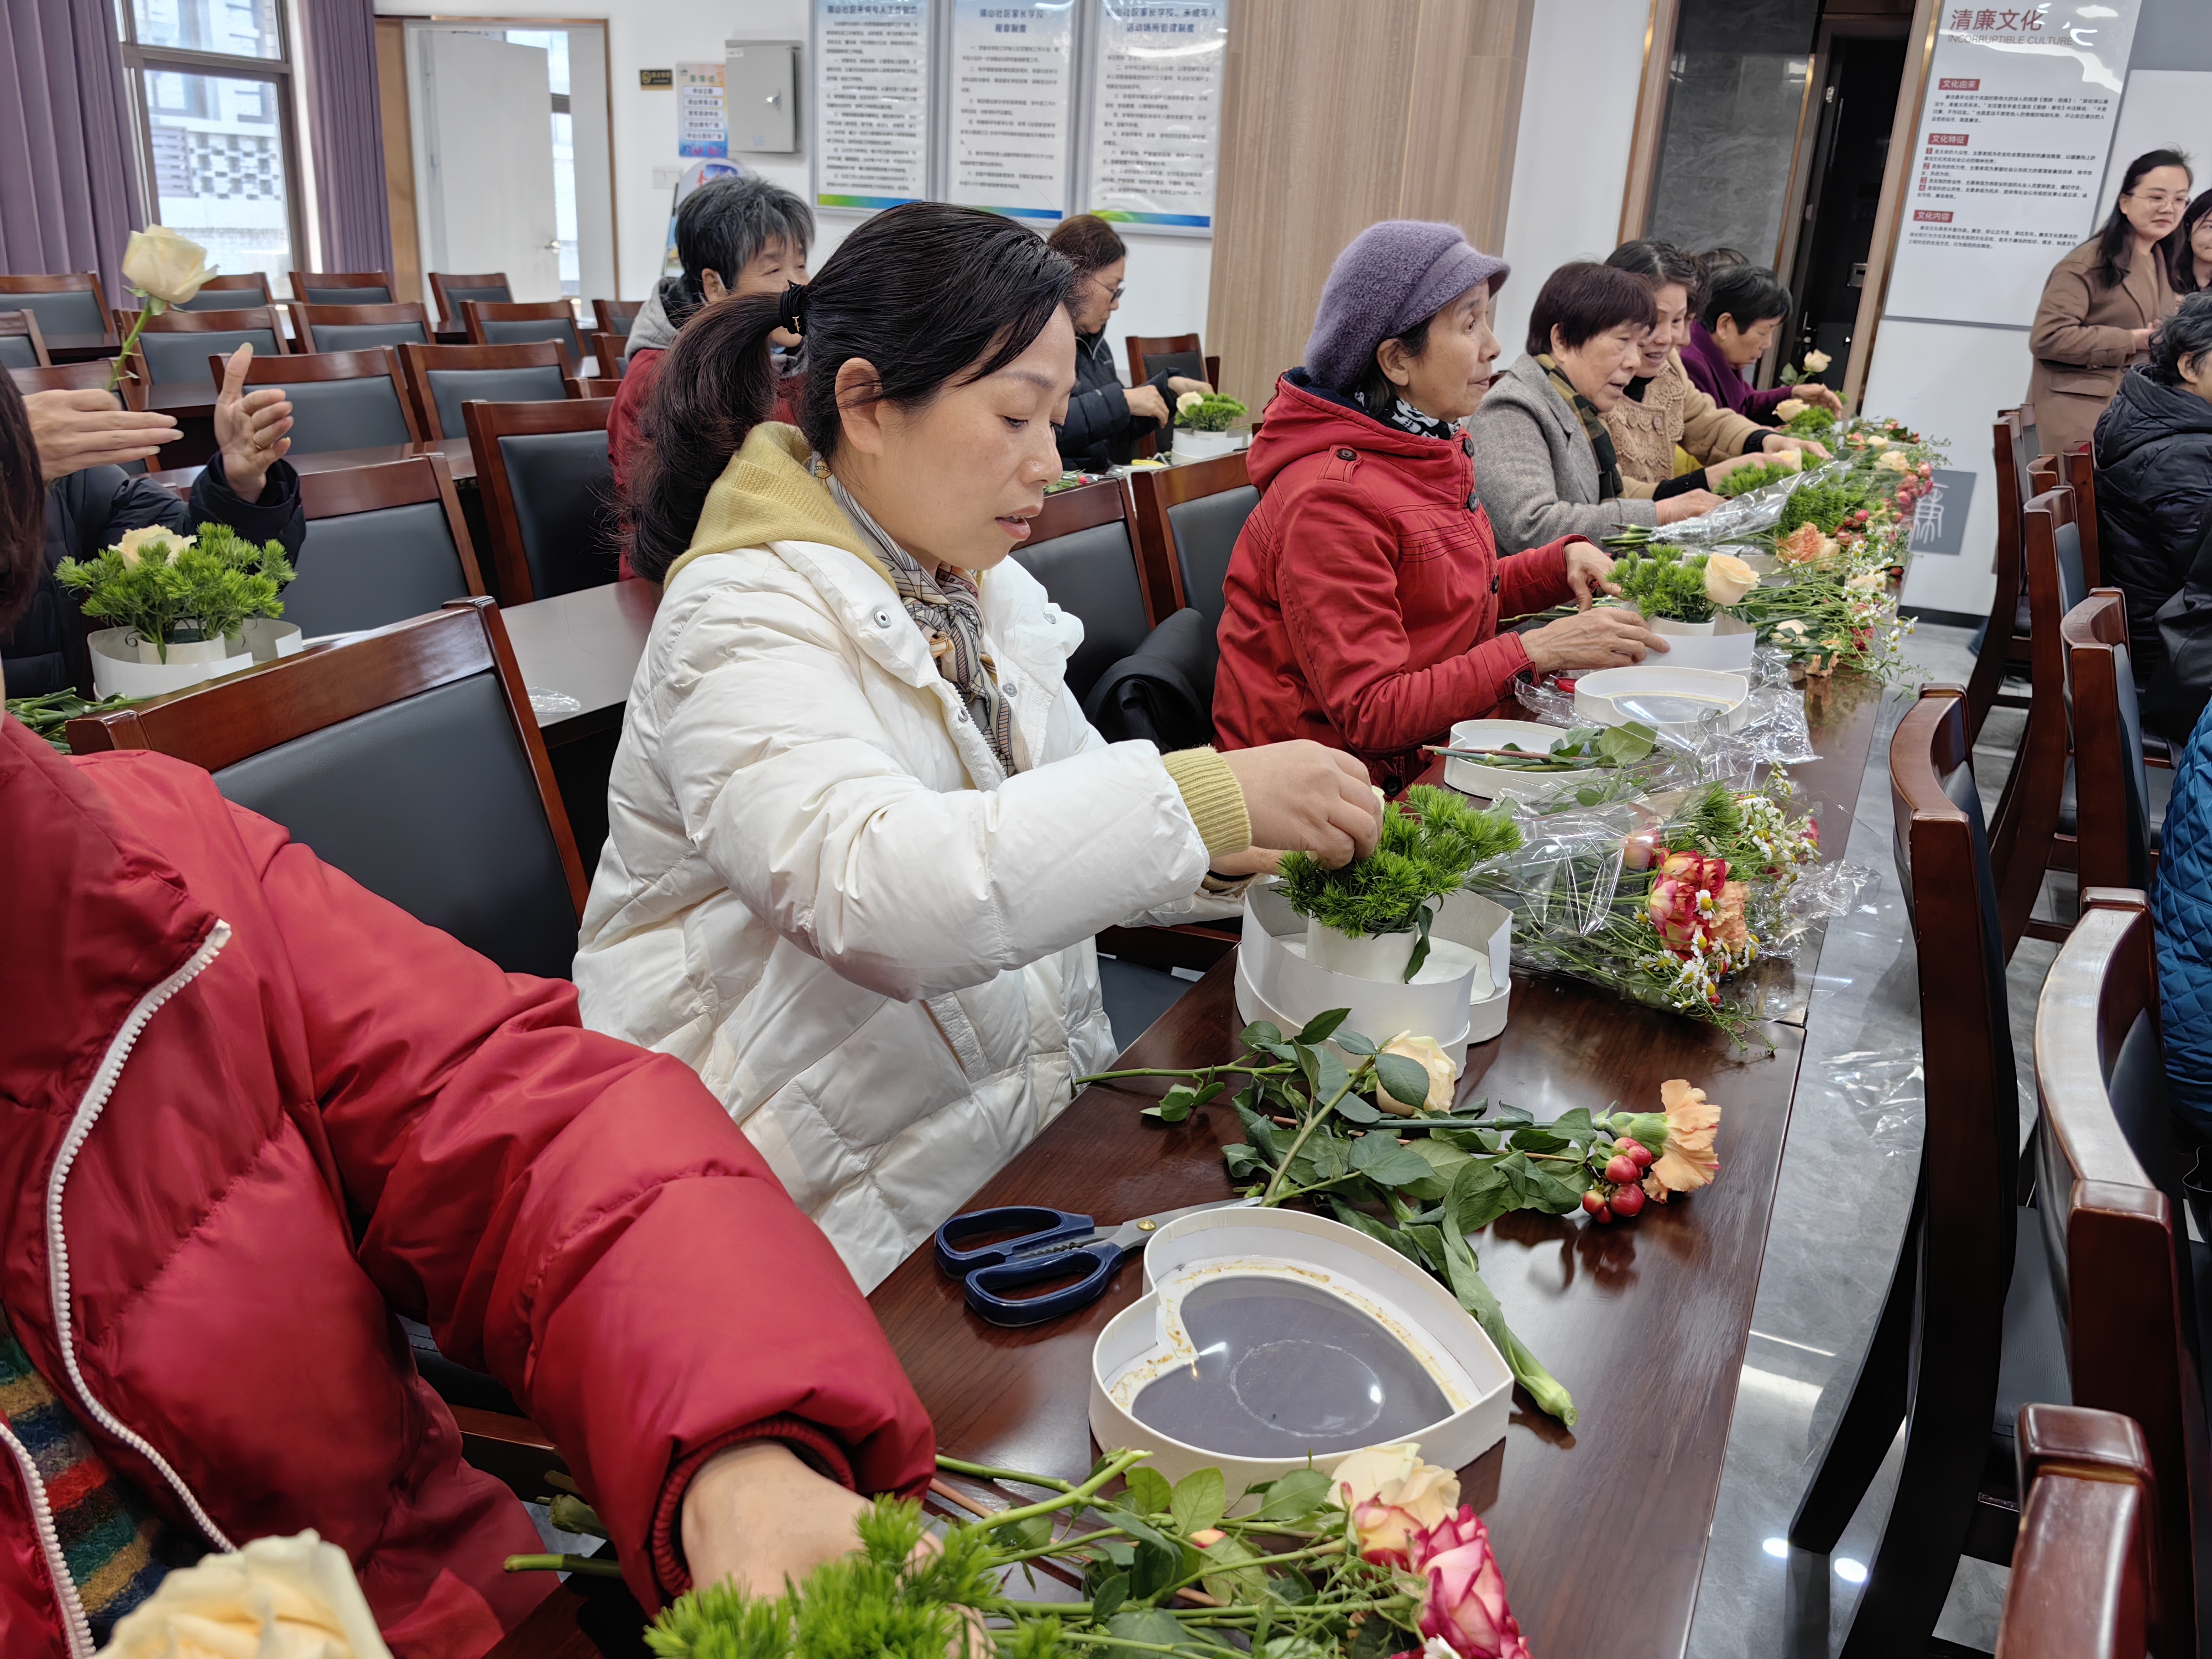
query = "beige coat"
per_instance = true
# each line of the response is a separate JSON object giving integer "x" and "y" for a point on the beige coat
{"x": 1673, "y": 411}
{"x": 2083, "y": 341}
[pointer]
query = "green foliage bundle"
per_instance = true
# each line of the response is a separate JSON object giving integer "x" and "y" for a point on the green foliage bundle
{"x": 213, "y": 583}
{"x": 1823, "y": 506}
{"x": 1810, "y": 423}
{"x": 1423, "y": 854}
{"x": 49, "y": 716}
{"x": 1212, "y": 413}
{"x": 1663, "y": 580}
{"x": 1745, "y": 479}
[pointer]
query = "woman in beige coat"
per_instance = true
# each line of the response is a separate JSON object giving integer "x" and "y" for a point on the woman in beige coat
{"x": 2103, "y": 300}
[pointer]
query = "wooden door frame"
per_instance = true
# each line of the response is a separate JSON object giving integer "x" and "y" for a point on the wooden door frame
{"x": 1651, "y": 127}
{"x": 1896, "y": 176}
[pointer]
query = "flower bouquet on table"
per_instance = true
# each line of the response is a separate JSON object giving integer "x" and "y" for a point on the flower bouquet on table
{"x": 164, "y": 270}
{"x": 1692, "y": 599}
{"x": 184, "y": 609}
{"x": 1382, "y": 1561}
{"x": 1203, "y": 419}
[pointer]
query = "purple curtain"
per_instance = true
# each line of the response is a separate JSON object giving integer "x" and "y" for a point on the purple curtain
{"x": 346, "y": 133}
{"x": 68, "y": 166}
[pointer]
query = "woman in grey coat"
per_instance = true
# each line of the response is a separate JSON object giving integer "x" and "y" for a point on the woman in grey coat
{"x": 1544, "y": 463}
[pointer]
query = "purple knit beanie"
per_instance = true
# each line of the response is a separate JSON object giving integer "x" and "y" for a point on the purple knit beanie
{"x": 1390, "y": 277}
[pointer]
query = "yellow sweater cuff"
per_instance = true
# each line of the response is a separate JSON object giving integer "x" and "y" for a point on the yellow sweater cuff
{"x": 1216, "y": 801}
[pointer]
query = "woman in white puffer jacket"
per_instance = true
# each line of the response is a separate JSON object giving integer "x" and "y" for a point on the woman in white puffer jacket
{"x": 860, "y": 835}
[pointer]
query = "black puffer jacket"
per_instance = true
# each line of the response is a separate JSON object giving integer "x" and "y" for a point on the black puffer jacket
{"x": 2154, "y": 447}
{"x": 1099, "y": 430}
{"x": 90, "y": 510}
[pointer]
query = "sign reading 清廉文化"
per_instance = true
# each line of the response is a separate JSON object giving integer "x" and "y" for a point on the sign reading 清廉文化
{"x": 1013, "y": 83}
{"x": 1155, "y": 113}
{"x": 2010, "y": 156}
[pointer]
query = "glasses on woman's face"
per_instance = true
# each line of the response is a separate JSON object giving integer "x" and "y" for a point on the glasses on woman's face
{"x": 1114, "y": 293}
{"x": 2158, "y": 200}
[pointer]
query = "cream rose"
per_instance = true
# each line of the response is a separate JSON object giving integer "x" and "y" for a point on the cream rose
{"x": 163, "y": 265}
{"x": 1789, "y": 461}
{"x": 1728, "y": 579}
{"x": 1789, "y": 628}
{"x": 1443, "y": 1074}
{"x": 278, "y": 1598}
{"x": 1393, "y": 1497}
{"x": 135, "y": 543}
{"x": 1869, "y": 580}
{"x": 1790, "y": 409}
{"x": 1188, "y": 401}
{"x": 1816, "y": 363}
{"x": 1893, "y": 460}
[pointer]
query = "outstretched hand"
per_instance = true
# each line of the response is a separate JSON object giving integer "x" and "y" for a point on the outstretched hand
{"x": 250, "y": 427}
{"x": 74, "y": 430}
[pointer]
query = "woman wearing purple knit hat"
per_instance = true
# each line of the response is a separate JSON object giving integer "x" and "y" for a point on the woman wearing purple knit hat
{"x": 1363, "y": 597}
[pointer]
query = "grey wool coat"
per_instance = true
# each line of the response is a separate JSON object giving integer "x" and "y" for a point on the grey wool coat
{"x": 1534, "y": 469}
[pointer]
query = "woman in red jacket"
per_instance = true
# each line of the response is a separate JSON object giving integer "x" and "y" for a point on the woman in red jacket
{"x": 1363, "y": 597}
{"x": 251, "y": 1112}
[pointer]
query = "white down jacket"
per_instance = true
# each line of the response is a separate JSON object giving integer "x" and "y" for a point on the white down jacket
{"x": 819, "y": 890}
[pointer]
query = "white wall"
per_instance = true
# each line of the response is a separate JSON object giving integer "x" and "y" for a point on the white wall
{"x": 1570, "y": 160}
{"x": 1167, "y": 277}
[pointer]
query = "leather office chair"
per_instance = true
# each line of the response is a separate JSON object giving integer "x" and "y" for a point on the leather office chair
{"x": 175, "y": 346}
{"x": 21, "y": 345}
{"x": 1189, "y": 518}
{"x": 444, "y": 378}
{"x": 71, "y": 305}
{"x": 548, "y": 495}
{"x": 340, "y": 399}
{"x": 231, "y": 293}
{"x": 1080, "y": 550}
{"x": 343, "y": 287}
{"x": 452, "y": 292}
{"x": 358, "y": 326}
{"x": 383, "y": 542}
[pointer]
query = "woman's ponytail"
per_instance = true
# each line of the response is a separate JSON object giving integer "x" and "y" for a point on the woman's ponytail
{"x": 713, "y": 386}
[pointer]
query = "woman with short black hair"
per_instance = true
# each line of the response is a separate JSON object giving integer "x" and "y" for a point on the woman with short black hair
{"x": 860, "y": 835}
{"x": 1544, "y": 464}
{"x": 1745, "y": 307}
{"x": 2102, "y": 302}
{"x": 1105, "y": 418}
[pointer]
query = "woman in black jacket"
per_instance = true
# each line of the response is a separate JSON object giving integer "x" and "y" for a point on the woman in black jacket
{"x": 2154, "y": 449}
{"x": 1104, "y": 417}
{"x": 83, "y": 440}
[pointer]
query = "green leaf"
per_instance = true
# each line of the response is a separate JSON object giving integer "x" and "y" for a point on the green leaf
{"x": 1393, "y": 1237}
{"x": 1480, "y": 1195}
{"x": 1260, "y": 1034}
{"x": 1511, "y": 1117}
{"x": 1200, "y": 1501}
{"x": 1420, "y": 956}
{"x": 1260, "y": 1132}
{"x": 1109, "y": 1596}
{"x": 1477, "y": 1297}
{"x": 1407, "y": 1080}
{"x": 1352, "y": 1043}
{"x": 1574, "y": 1126}
{"x": 1380, "y": 1157}
{"x": 1147, "y": 1625}
{"x": 1309, "y": 1069}
{"x": 1443, "y": 1157}
{"x": 1323, "y": 1158}
{"x": 1358, "y": 1109}
{"x": 1297, "y": 1494}
{"x": 1149, "y": 1490}
{"x": 1330, "y": 1078}
{"x": 1024, "y": 1534}
{"x": 1228, "y": 1578}
{"x": 1321, "y": 1027}
{"x": 1537, "y": 1138}
{"x": 1243, "y": 1161}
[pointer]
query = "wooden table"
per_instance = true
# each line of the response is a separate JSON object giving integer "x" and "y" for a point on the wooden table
{"x": 80, "y": 348}
{"x": 459, "y": 457}
{"x": 1601, "y": 1529}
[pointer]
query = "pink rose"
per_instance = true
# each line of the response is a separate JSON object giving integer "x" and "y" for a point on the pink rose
{"x": 1466, "y": 1607}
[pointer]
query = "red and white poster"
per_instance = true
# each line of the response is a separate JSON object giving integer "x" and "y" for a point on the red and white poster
{"x": 2015, "y": 134}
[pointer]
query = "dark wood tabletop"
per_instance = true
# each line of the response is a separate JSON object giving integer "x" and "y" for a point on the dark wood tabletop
{"x": 586, "y": 644}
{"x": 1601, "y": 1529}
{"x": 459, "y": 457}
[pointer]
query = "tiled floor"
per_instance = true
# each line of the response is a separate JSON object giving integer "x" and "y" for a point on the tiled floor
{"x": 1847, "y": 1176}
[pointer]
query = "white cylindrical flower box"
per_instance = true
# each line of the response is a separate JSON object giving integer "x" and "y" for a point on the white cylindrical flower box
{"x": 1725, "y": 644}
{"x": 1375, "y": 955}
{"x": 1191, "y": 445}
{"x": 124, "y": 663}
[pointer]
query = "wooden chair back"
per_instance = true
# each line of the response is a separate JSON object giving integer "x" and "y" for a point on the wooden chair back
{"x": 2013, "y": 439}
{"x": 548, "y": 495}
{"x": 166, "y": 358}
{"x": 450, "y": 292}
{"x": 407, "y": 758}
{"x": 1147, "y": 352}
{"x": 2024, "y": 833}
{"x": 82, "y": 377}
{"x": 361, "y": 327}
{"x": 511, "y": 325}
{"x": 2085, "y": 1573}
{"x": 2111, "y": 791}
{"x": 443, "y": 378}
{"x": 2109, "y": 1171}
{"x": 384, "y": 543}
{"x": 615, "y": 317}
{"x": 237, "y": 293}
{"x": 1080, "y": 549}
{"x": 340, "y": 399}
{"x": 1189, "y": 518}
{"x": 2077, "y": 469}
{"x": 344, "y": 288}
{"x": 71, "y": 308}
{"x": 21, "y": 343}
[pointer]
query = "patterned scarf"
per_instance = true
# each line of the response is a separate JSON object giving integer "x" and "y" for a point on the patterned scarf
{"x": 947, "y": 608}
{"x": 1406, "y": 418}
{"x": 1608, "y": 461}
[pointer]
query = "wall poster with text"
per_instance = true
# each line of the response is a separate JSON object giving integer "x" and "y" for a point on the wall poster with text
{"x": 2015, "y": 135}
{"x": 871, "y": 102}
{"x": 1155, "y": 137}
{"x": 1012, "y": 103}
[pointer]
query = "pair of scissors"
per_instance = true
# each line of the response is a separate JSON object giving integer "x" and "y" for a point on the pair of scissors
{"x": 1044, "y": 1240}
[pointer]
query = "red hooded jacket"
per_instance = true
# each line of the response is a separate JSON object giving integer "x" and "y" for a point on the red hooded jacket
{"x": 1365, "y": 592}
{"x": 250, "y": 1111}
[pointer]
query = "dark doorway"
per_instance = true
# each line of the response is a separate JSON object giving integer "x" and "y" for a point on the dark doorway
{"x": 1863, "y": 67}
